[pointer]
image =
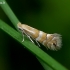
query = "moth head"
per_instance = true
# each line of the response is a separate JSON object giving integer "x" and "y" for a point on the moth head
{"x": 55, "y": 43}
{"x": 19, "y": 25}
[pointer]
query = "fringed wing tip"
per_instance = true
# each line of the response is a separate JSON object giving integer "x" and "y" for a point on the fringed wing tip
{"x": 58, "y": 39}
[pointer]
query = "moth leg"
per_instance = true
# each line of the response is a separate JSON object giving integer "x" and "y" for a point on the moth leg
{"x": 27, "y": 36}
{"x": 23, "y": 38}
{"x": 30, "y": 39}
{"x": 37, "y": 43}
{"x": 33, "y": 41}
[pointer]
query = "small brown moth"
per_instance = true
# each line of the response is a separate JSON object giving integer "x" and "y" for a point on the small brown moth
{"x": 51, "y": 41}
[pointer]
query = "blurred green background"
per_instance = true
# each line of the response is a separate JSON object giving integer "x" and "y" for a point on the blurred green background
{"x": 48, "y": 16}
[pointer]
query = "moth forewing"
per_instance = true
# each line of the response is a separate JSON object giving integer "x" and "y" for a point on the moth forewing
{"x": 51, "y": 41}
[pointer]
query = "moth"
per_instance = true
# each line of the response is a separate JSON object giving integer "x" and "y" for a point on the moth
{"x": 50, "y": 41}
